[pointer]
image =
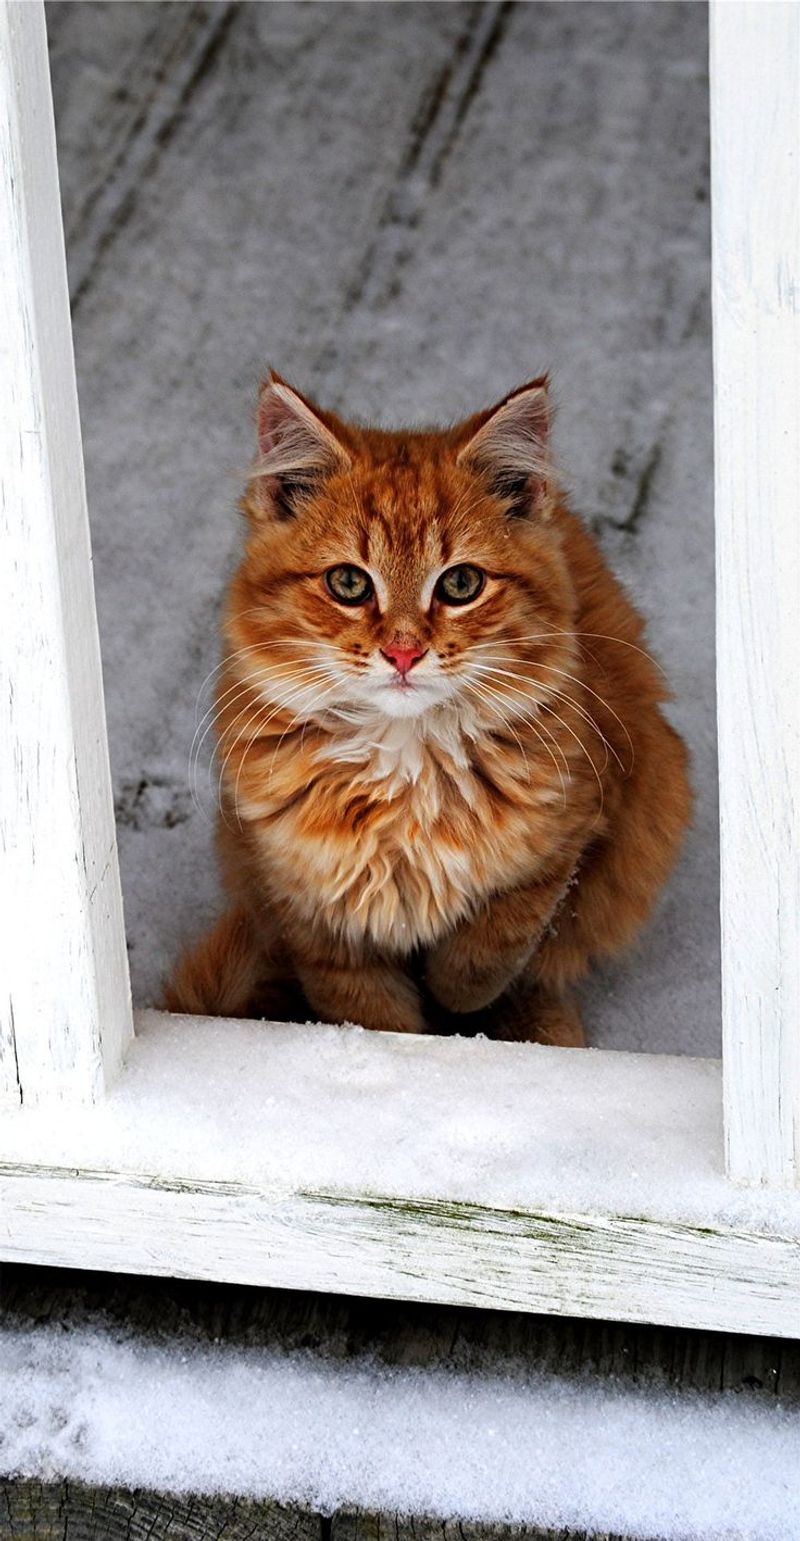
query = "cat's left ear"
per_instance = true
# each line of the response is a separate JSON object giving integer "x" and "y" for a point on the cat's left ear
{"x": 510, "y": 445}
{"x": 298, "y": 446}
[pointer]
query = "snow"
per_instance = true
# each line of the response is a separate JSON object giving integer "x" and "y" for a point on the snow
{"x": 556, "y": 215}
{"x": 291, "y": 1109}
{"x": 516, "y": 1445}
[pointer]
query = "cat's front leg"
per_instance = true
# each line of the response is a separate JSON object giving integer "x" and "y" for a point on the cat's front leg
{"x": 346, "y": 984}
{"x": 472, "y": 966}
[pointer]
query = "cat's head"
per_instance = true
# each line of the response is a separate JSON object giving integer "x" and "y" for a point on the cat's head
{"x": 399, "y": 572}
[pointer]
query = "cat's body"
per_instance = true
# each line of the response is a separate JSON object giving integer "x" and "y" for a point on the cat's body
{"x": 434, "y": 800}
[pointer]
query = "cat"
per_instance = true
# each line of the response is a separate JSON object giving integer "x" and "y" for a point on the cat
{"x": 446, "y": 784}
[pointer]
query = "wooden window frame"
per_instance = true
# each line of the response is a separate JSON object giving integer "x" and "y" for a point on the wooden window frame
{"x": 94, "y": 1173}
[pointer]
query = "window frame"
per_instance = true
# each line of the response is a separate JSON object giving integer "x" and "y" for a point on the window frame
{"x": 67, "y": 1048}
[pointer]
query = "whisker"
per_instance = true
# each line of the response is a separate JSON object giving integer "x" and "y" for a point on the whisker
{"x": 259, "y": 647}
{"x": 582, "y": 747}
{"x": 552, "y": 669}
{"x": 487, "y": 700}
{"x": 295, "y": 720}
{"x": 609, "y": 708}
{"x": 538, "y": 730}
{"x": 545, "y": 707}
{"x": 599, "y": 636}
{"x": 223, "y": 703}
{"x": 582, "y": 712}
{"x": 541, "y": 705}
{"x": 273, "y": 709}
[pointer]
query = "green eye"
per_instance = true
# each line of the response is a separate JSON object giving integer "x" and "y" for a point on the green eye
{"x": 349, "y": 585}
{"x": 460, "y": 584}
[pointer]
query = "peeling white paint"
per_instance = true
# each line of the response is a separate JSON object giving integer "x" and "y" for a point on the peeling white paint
{"x": 64, "y": 1005}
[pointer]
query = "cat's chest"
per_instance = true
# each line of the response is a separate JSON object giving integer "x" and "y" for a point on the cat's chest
{"x": 399, "y": 837}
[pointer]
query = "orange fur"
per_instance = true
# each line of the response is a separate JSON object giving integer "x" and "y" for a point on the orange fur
{"x": 462, "y": 837}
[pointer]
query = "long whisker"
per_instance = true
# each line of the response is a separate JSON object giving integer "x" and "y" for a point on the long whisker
{"x": 526, "y": 696}
{"x": 258, "y": 647}
{"x": 584, "y": 750}
{"x": 224, "y": 703}
{"x": 545, "y": 707}
{"x": 487, "y": 700}
{"x": 293, "y": 723}
{"x": 552, "y": 669}
{"x": 258, "y": 721}
{"x": 599, "y": 636}
{"x": 258, "y": 677}
{"x": 239, "y": 653}
{"x": 538, "y": 730}
{"x": 257, "y": 733}
{"x": 273, "y": 710}
{"x": 582, "y": 712}
{"x": 534, "y": 636}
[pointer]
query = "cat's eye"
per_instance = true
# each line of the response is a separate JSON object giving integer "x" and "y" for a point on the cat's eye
{"x": 349, "y": 585}
{"x": 460, "y": 584}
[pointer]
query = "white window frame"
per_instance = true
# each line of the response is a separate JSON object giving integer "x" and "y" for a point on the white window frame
{"x": 92, "y": 1175}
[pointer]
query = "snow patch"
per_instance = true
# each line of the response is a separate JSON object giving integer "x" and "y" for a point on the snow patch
{"x": 520, "y": 1446}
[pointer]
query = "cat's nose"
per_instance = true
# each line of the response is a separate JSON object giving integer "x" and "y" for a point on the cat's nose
{"x": 403, "y": 655}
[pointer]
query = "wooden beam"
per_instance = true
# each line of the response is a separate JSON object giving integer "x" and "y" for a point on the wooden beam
{"x": 65, "y": 1015}
{"x": 461, "y": 1171}
{"x": 755, "y": 133}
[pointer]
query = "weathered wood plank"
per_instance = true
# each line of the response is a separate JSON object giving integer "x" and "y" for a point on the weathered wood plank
{"x": 36, "y": 1511}
{"x": 756, "y": 213}
{"x": 65, "y": 1012}
{"x": 356, "y": 1525}
{"x": 655, "y": 1234}
{"x": 632, "y": 1270}
{"x": 71, "y": 1511}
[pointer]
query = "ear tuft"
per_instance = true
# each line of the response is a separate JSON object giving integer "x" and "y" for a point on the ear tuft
{"x": 511, "y": 445}
{"x": 296, "y": 448}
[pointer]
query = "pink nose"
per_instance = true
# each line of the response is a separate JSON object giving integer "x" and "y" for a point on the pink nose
{"x": 403, "y": 656}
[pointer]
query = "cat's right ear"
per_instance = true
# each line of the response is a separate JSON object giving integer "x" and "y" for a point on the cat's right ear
{"x": 297, "y": 448}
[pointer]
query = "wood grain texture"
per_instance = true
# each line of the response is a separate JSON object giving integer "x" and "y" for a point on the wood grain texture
{"x": 356, "y": 1525}
{"x": 624, "y": 1268}
{"x": 70, "y": 1511}
{"x": 159, "y": 1180}
{"x": 755, "y": 53}
{"x": 65, "y": 1014}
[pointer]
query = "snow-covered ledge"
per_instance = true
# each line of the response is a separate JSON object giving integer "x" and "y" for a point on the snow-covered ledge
{"x": 442, "y": 1169}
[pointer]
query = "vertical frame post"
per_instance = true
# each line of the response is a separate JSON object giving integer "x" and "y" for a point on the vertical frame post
{"x": 65, "y": 1013}
{"x": 755, "y": 141}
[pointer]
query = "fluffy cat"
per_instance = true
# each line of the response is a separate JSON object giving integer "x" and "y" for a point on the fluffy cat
{"x": 446, "y": 784}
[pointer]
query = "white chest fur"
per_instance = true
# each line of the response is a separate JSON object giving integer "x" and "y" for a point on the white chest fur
{"x": 410, "y": 847}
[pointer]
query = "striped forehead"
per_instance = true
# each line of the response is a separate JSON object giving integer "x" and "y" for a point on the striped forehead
{"x": 400, "y": 532}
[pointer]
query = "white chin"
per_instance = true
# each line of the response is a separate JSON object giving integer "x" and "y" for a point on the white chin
{"x": 395, "y": 701}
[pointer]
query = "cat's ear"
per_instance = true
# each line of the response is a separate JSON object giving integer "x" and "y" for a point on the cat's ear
{"x": 297, "y": 448}
{"x": 510, "y": 445}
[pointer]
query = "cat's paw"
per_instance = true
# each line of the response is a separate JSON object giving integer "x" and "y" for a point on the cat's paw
{"x": 459, "y": 986}
{"x": 380, "y": 998}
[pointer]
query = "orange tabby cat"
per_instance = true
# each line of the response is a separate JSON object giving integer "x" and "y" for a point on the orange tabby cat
{"x": 446, "y": 784}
